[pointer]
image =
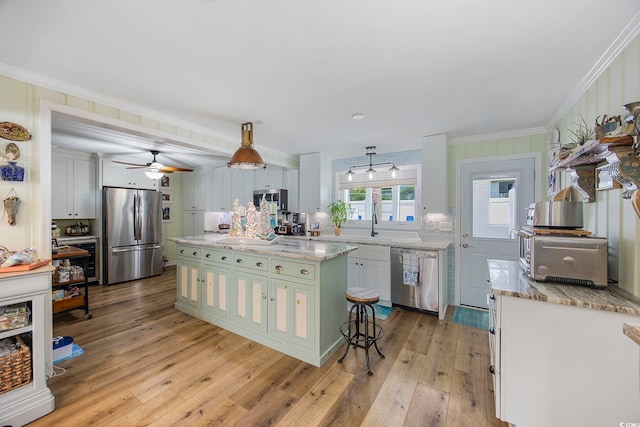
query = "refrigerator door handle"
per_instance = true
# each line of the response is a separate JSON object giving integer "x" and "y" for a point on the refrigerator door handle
{"x": 135, "y": 249}
{"x": 136, "y": 216}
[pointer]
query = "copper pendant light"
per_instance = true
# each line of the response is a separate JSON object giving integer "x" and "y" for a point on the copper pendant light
{"x": 246, "y": 157}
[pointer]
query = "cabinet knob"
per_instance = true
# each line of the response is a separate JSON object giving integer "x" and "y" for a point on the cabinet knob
{"x": 195, "y": 253}
{"x": 492, "y": 330}
{"x": 278, "y": 269}
{"x": 259, "y": 264}
{"x": 492, "y": 369}
{"x": 271, "y": 299}
{"x": 239, "y": 260}
{"x": 208, "y": 255}
{"x": 492, "y": 296}
{"x": 181, "y": 251}
{"x": 224, "y": 258}
{"x": 304, "y": 272}
{"x": 264, "y": 296}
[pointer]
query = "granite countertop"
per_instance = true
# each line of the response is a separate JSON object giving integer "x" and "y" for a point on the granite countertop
{"x": 507, "y": 278}
{"x": 290, "y": 248}
{"x": 632, "y": 331}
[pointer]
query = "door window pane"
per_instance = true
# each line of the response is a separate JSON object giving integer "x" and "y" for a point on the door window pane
{"x": 494, "y": 207}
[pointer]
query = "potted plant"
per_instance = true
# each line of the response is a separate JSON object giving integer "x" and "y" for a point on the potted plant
{"x": 338, "y": 212}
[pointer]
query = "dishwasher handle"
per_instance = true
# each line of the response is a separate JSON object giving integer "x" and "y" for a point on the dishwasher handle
{"x": 420, "y": 253}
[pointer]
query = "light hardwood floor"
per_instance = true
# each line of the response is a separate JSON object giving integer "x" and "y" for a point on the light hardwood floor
{"x": 146, "y": 363}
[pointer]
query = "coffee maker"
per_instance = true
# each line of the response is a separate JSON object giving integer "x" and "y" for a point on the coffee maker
{"x": 298, "y": 221}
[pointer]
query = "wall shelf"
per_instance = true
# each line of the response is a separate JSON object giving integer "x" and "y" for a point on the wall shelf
{"x": 582, "y": 164}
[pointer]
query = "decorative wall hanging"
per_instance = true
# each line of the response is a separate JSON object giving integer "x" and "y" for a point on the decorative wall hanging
{"x": 11, "y": 206}
{"x": 12, "y": 172}
{"x": 14, "y": 132}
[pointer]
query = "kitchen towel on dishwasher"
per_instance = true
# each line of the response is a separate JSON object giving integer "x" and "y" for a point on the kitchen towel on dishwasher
{"x": 410, "y": 269}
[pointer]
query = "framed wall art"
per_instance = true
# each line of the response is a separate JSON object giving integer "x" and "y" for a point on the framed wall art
{"x": 167, "y": 197}
{"x": 165, "y": 182}
{"x": 167, "y": 212}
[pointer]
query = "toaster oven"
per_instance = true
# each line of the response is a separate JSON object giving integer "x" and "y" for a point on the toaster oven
{"x": 564, "y": 259}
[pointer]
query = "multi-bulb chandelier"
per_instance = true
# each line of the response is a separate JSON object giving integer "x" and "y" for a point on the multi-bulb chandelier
{"x": 371, "y": 151}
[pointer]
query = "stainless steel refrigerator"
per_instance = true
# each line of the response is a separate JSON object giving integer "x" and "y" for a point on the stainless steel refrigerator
{"x": 132, "y": 234}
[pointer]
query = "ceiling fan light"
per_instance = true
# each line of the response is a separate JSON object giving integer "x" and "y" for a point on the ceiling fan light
{"x": 246, "y": 157}
{"x": 393, "y": 170}
{"x": 371, "y": 171}
{"x": 153, "y": 174}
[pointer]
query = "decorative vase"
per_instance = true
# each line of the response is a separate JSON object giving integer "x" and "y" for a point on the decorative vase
{"x": 12, "y": 172}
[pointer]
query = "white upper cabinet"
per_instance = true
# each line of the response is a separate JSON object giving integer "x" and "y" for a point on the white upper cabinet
{"x": 314, "y": 186}
{"x": 226, "y": 184}
{"x": 269, "y": 178}
{"x": 193, "y": 187}
{"x": 117, "y": 175}
{"x": 434, "y": 174}
{"x": 73, "y": 184}
{"x": 216, "y": 181}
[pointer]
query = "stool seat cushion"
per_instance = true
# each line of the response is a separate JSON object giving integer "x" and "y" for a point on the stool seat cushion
{"x": 362, "y": 295}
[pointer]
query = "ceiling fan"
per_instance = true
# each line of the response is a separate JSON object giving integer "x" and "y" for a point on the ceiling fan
{"x": 154, "y": 166}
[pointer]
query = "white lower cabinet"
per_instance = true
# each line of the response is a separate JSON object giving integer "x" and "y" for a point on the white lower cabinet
{"x": 189, "y": 283}
{"x": 21, "y": 405}
{"x": 189, "y": 278}
{"x": 294, "y": 306}
{"x": 216, "y": 291}
{"x": 249, "y": 300}
{"x": 557, "y": 365}
{"x": 370, "y": 267}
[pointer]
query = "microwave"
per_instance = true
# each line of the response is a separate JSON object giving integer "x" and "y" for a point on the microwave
{"x": 277, "y": 196}
{"x": 573, "y": 260}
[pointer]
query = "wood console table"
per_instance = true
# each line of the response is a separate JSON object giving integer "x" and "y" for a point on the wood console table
{"x": 81, "y": 301}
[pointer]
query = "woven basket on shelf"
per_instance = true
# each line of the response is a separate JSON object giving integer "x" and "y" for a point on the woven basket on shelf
{"x": 15, "y": 368}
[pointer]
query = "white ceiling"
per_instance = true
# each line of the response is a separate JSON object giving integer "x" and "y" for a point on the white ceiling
{"x": 303, "y": 67}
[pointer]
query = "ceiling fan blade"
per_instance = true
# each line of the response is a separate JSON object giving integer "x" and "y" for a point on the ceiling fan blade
{"x": 174, "y": 169}
{"x": 132, "y": 164}
{"x": 137, "y": 167}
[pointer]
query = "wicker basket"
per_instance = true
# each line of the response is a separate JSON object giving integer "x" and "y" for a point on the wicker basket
{"x": 15, "y": 368}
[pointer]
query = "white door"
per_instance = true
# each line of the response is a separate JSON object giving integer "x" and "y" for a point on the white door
{"x": 494, "y": 196}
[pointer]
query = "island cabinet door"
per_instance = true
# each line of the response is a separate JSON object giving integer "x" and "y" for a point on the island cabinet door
{"x": 249, "y": 301}
{"x": 189, "y": 283}
{"x": 292, "y": 313}
{"x": 217, "y": 291}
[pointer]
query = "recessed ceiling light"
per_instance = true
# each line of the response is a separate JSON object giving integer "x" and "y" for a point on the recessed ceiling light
{"x": 357, "y": 116}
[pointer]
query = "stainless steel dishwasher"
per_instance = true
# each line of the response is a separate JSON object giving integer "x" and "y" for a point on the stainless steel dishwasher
{"x": 425, "y": 294}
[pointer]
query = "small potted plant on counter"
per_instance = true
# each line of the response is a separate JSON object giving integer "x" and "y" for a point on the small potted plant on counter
{"x": 338, "y": 212}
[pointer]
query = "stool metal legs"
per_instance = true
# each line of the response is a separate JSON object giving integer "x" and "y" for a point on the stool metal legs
{"x": 366, "y": 332}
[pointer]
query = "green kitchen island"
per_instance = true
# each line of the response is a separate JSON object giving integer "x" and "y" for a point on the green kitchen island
{"x": 288, "y": 295}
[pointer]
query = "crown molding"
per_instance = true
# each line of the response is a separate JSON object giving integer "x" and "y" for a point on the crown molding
{"x": 518, "y": 133}
{"x": 624, "y": 39}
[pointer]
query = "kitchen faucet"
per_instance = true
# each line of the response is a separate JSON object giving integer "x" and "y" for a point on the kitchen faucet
{"x": 374, "y": 220}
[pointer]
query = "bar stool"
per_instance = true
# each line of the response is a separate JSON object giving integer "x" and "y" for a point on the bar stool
{"x": 362, "y": 331}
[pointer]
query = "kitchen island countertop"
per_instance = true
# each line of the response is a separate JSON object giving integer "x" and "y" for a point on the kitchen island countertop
{"x": 290, "y": 248}
{"x": 396, "y": 242}
{"x": 507, "y": 278}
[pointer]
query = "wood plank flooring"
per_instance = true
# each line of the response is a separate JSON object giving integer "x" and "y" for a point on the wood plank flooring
{"x": 146, "y": 363}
